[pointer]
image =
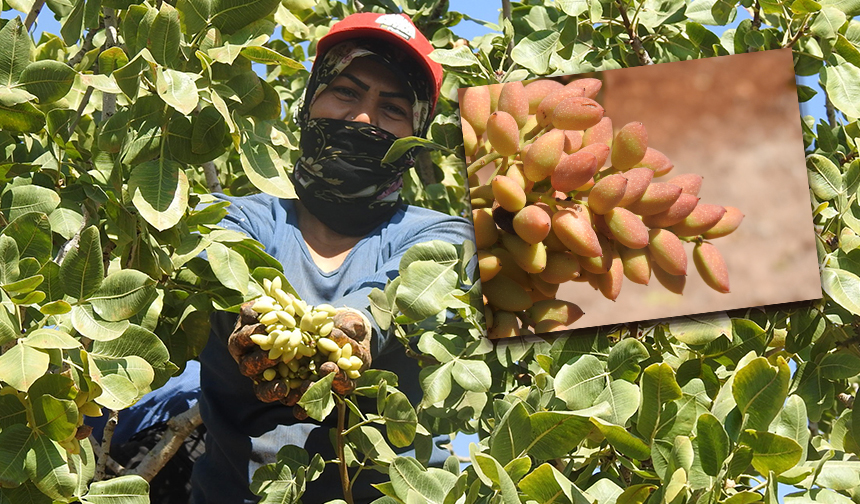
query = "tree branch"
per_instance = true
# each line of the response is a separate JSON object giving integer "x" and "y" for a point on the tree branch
{"x": 178, "y": 429}
{"x": 33, "y": 14}
{"x": 635, "y": 41}
{"x": 109, "y": 99}
{"x": 212, "y": 182}
{"x": 85, "y": 48}
{"x": 111, "y": 464}
{"x": 83, "y": 105}
{"x": 105, "y": 446}
{"x": 831, "y": 110}
{"x": 341, "y": 456}
{"x": 756, "y": 24}
{"x": 482, "y": 162}
{"x": 800, "y": 32}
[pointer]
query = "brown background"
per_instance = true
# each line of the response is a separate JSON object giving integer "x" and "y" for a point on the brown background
{"x": 735, "y": 121}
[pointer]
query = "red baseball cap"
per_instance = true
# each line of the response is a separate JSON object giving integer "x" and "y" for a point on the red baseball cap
{"x": 394, "y": 28}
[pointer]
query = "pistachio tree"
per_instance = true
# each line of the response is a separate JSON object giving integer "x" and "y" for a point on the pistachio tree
{"x": 117, "y": 129}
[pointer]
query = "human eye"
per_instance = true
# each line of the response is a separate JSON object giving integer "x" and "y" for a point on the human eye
{"x": 395, "y": 110}
{"x": 344, "y": 92}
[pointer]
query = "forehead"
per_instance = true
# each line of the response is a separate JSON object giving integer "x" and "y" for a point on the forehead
{"x": 376, "y": 75}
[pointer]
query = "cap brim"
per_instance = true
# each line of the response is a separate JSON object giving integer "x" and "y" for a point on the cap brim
{"x": 333, "y": 39}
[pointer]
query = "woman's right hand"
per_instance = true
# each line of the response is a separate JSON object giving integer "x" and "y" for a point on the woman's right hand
{"x": 350, "y": 326}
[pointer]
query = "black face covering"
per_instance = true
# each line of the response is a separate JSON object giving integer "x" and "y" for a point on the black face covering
{"x": 340, "y": 177}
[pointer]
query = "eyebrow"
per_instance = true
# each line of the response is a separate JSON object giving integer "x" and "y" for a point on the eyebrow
{"x": 385, "y": 94}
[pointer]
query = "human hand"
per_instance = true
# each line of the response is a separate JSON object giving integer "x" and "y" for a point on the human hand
{"x": 283, "y": 372}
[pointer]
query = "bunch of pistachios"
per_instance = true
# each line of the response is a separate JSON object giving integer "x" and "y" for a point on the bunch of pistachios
{"x": 297, "y": 337}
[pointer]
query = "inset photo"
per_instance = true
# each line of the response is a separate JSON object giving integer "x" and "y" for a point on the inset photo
{"x": 640, "y": 193}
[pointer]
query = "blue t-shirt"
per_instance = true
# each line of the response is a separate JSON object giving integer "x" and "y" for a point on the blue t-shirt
{"x": 244, "y": 433}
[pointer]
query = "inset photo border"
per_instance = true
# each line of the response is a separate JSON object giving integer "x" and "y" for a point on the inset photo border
{"x": 573, "y": 234}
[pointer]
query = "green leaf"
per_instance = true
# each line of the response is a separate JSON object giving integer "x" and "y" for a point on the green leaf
{"x": 546, "y": 485}
{"x": 86, "y": 322}
{"x": 556, "y": 433}
{"x": 180, "y": 132}
{"x": 659, "y": 387}
{"x": 825, "y": 180}
{"x": 265, "y": 169}
{"x": 635, "y": 494}
{"x": 45, "y": 338}
{"x": 138, "y": 342}
{"x": 229, "y": 267}
{"x": 436, "y": 382}
{"x": 208, "y": 131}
{"x": 624, "y": 359}
{"x": 623, "y": 399}
{"x": 12, "y": 412}
{"x": 701, "y": 329}
{"x": 842, "y": 83}
{"x": 9, "y": 271}
{"x": 15, "y": 49}
{"x": 21, "y": 200}
{"x": 275, "y": 483}
{"x": 826, "y": 23}
{"x": 230, "y": 16}
{"x": 65, "y": 222}
{"x": 839, "y": 366}
{"x": 847, "y": 50}
{"x": 14, "y": 96}
{"x": 370, "y": 442}
{"x": 580, "y": 383}
{"x": 404, "y": 144}
{"x": 14, "y": 445}
{"x": 164, "y": 37}
{"x": 805, "y": 6}
{"x": 407, "y": 474}
{"x": 805, "y": 93}
{"x": 177, "y": 89}
{"x": 713, "y": 443}
{"x": 472, "y": 374}
{"x": 850, "y": 7}
{"x": 82, "y": 270}
{"x": 52, "y": 285}
{"x": 400, "y": 420}
{"x": 55, "y": 418}
{"x": 21, "y": 118}
{"x": 793, "y": 422}
{"x": 74, "y": 24}
{"x": 48, "y": 80}
{"x": 159, "y": 191}
{"x": 318, "y": 400}
{"x": 128, "y": 76}
{"x": 22, "y": 365}
{"x": 112, "y": 58}
{"x": 123, "y": 294}
{"x": 425, "y": 288}
{"x": 129, "y": 489}
{"x": 626, "y": 443}
{"x": 534, "y": 51}
{"x": 459, "y": 57}
{"x": 266, "y": 56}
{"x": 843, "y": 287}
{"x": 48, "y": 469}
{"x": 573, "y": 7}
{"x": 770, "y": 451}
{"x": 760, "y": 389}
{"x": 492, "y": 469}
{"x": 118, "y": 391}
{"x": 23, "y": 285}
{"x": 509, "y": 439}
